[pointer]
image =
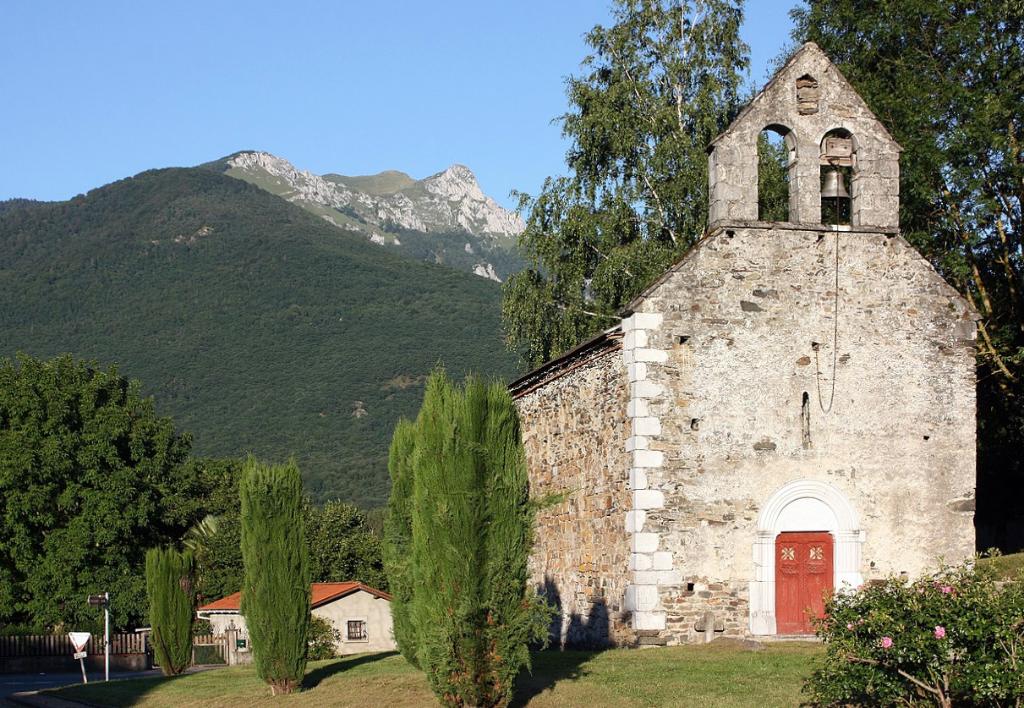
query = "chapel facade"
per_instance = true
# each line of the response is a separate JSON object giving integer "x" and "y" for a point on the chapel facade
{"x": 789, "y": 409}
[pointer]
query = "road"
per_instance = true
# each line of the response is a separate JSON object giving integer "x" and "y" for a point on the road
{"x": 15, "y": 683}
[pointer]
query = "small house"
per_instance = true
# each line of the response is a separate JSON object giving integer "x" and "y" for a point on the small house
{"x": 361, "y": 614}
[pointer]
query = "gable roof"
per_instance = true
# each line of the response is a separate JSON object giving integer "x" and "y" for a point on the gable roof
{"x": 811, "y": 51}
{"x": 320, "y": 594}
{"x": 559, "y": 366}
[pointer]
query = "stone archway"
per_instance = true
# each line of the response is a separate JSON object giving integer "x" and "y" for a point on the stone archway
{"x": 803, "y": 505}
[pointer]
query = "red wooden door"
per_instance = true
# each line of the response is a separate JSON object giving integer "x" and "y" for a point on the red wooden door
{"x": 803, "y": 574}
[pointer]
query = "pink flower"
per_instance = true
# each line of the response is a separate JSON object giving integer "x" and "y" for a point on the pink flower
{"x": 849, "y": 625}
{"x": 940, "y": 632}
{"x": 886, "y": 642}
{"x": 946, "y": 589}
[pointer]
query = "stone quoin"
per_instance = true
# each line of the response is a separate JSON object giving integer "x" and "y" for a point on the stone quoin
{"x": 793, "y": 379}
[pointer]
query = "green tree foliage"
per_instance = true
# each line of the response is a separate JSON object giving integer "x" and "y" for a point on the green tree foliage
{"x": 171, "y": 593}
{"x": 341, "y": 548}
{"x": 90, "y": 476}
{"x": 323, "y": 639}
{"x": 375, "y": 520}
{"x": 275, "y": 591}
{"x": 471, "y": 529}
{"x": 341, "y": 545}
{"x": 156, "y": 272}
{"x": 952, "y": 638}
{"x": 216, "y": 481}
{"x": 772, "y": 177}
{"x": 220, "y": 566}
{"x": 398, "y": 539}
{"x": 215, "y": 539}
{"x": 947, "y": 78}
{"x": 663, "y": 80}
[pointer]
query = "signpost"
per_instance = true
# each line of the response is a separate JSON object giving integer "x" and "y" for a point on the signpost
{"x": 104, "y": 602}
{"x": 80, "y": 639}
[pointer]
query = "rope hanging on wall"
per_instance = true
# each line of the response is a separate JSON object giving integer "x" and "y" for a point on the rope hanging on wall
{"x": 835, "y": 342}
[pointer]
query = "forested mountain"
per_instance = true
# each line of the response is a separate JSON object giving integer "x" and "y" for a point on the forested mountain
{"x": 444, "y": 218}
{"x": 257, "y": 326}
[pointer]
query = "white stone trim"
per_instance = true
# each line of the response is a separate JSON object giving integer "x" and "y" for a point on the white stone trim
{"x": 846, "y": 533}
{"x": 650, "y": 567}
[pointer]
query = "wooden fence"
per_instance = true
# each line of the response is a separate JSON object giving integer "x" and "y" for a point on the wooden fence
{"x": 60, "y": 645}
{"x": 210, "y": 649}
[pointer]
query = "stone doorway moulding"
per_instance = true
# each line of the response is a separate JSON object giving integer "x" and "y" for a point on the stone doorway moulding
{"x": 803, "y": 505}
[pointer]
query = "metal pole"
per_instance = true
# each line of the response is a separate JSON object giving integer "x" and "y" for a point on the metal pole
{"x": 85, "y": 679}
{"x": 106, "y": 638}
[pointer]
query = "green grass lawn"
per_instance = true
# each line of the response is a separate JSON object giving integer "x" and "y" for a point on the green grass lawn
{"x": 721, "y": 674}
{"x": 1010, "y": 566}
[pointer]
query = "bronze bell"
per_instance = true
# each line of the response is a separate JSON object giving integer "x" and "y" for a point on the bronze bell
{"x": 834, "y": 187}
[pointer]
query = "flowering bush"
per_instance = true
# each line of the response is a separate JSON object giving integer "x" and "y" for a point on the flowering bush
{"x": 952, "y": 638}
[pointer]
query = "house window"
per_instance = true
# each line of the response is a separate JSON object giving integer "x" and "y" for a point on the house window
{"x": 355, "y": 631}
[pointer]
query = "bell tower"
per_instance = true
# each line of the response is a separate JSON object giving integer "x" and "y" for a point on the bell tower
{"x": 842, "y": 164}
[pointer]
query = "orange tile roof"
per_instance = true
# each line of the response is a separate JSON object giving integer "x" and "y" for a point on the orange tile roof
{"x": 320, "y": 594}
{"x": 232, "y": 602}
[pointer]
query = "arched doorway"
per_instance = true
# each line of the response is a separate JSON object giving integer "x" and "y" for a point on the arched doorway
{"x": 821, "y": 520}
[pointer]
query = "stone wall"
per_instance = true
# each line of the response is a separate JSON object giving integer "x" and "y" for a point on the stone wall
{"x": 738, "y": 403}
{"x": 574, "y": 430}
{"x": 831, "y": 104}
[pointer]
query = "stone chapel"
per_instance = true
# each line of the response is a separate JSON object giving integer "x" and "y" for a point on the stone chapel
{"x": 789, "y": 409}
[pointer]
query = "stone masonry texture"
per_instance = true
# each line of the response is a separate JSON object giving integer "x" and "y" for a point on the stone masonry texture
{"x": 776, "y": 371}
{"x": 898, "y": 441}
{"x": 733, "y": 158}
{"x": 574, "y": 431}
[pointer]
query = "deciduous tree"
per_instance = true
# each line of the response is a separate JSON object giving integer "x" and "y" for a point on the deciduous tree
{"x": 90, "y": 476}
{"x": 341, "y": 546}
{"x": 663, "y": 80}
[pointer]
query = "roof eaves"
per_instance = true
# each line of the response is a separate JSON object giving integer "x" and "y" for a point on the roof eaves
{"x": 559, "y": 366}
{"x": 344, "y": 592}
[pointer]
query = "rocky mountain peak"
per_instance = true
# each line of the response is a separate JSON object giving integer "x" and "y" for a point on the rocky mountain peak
{"x": 455, "y": 184}
{"x": 450, "y": 201}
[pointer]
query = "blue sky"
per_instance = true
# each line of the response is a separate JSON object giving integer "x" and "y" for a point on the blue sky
{"x": 97, "y": 91}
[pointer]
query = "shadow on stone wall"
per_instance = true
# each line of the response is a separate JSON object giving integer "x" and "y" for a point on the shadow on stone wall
{"x": 571, "y": 630}
{"x": 574, "y": 640}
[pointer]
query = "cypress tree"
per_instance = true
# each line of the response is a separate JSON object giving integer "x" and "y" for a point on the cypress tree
{"x": 470, "y": 610}
{"x": 275, "y": 589}
{"x": 517, "y": 617}
{"x": 398, "y": 537}
{"x": 171, "y": 594}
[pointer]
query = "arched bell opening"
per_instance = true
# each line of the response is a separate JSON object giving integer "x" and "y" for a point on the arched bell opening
{"x": 838, "y": 162}
{"x": 776, "y": 159}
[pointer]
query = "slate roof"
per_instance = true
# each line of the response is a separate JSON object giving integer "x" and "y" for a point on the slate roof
{"x": 561, "y": 365}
